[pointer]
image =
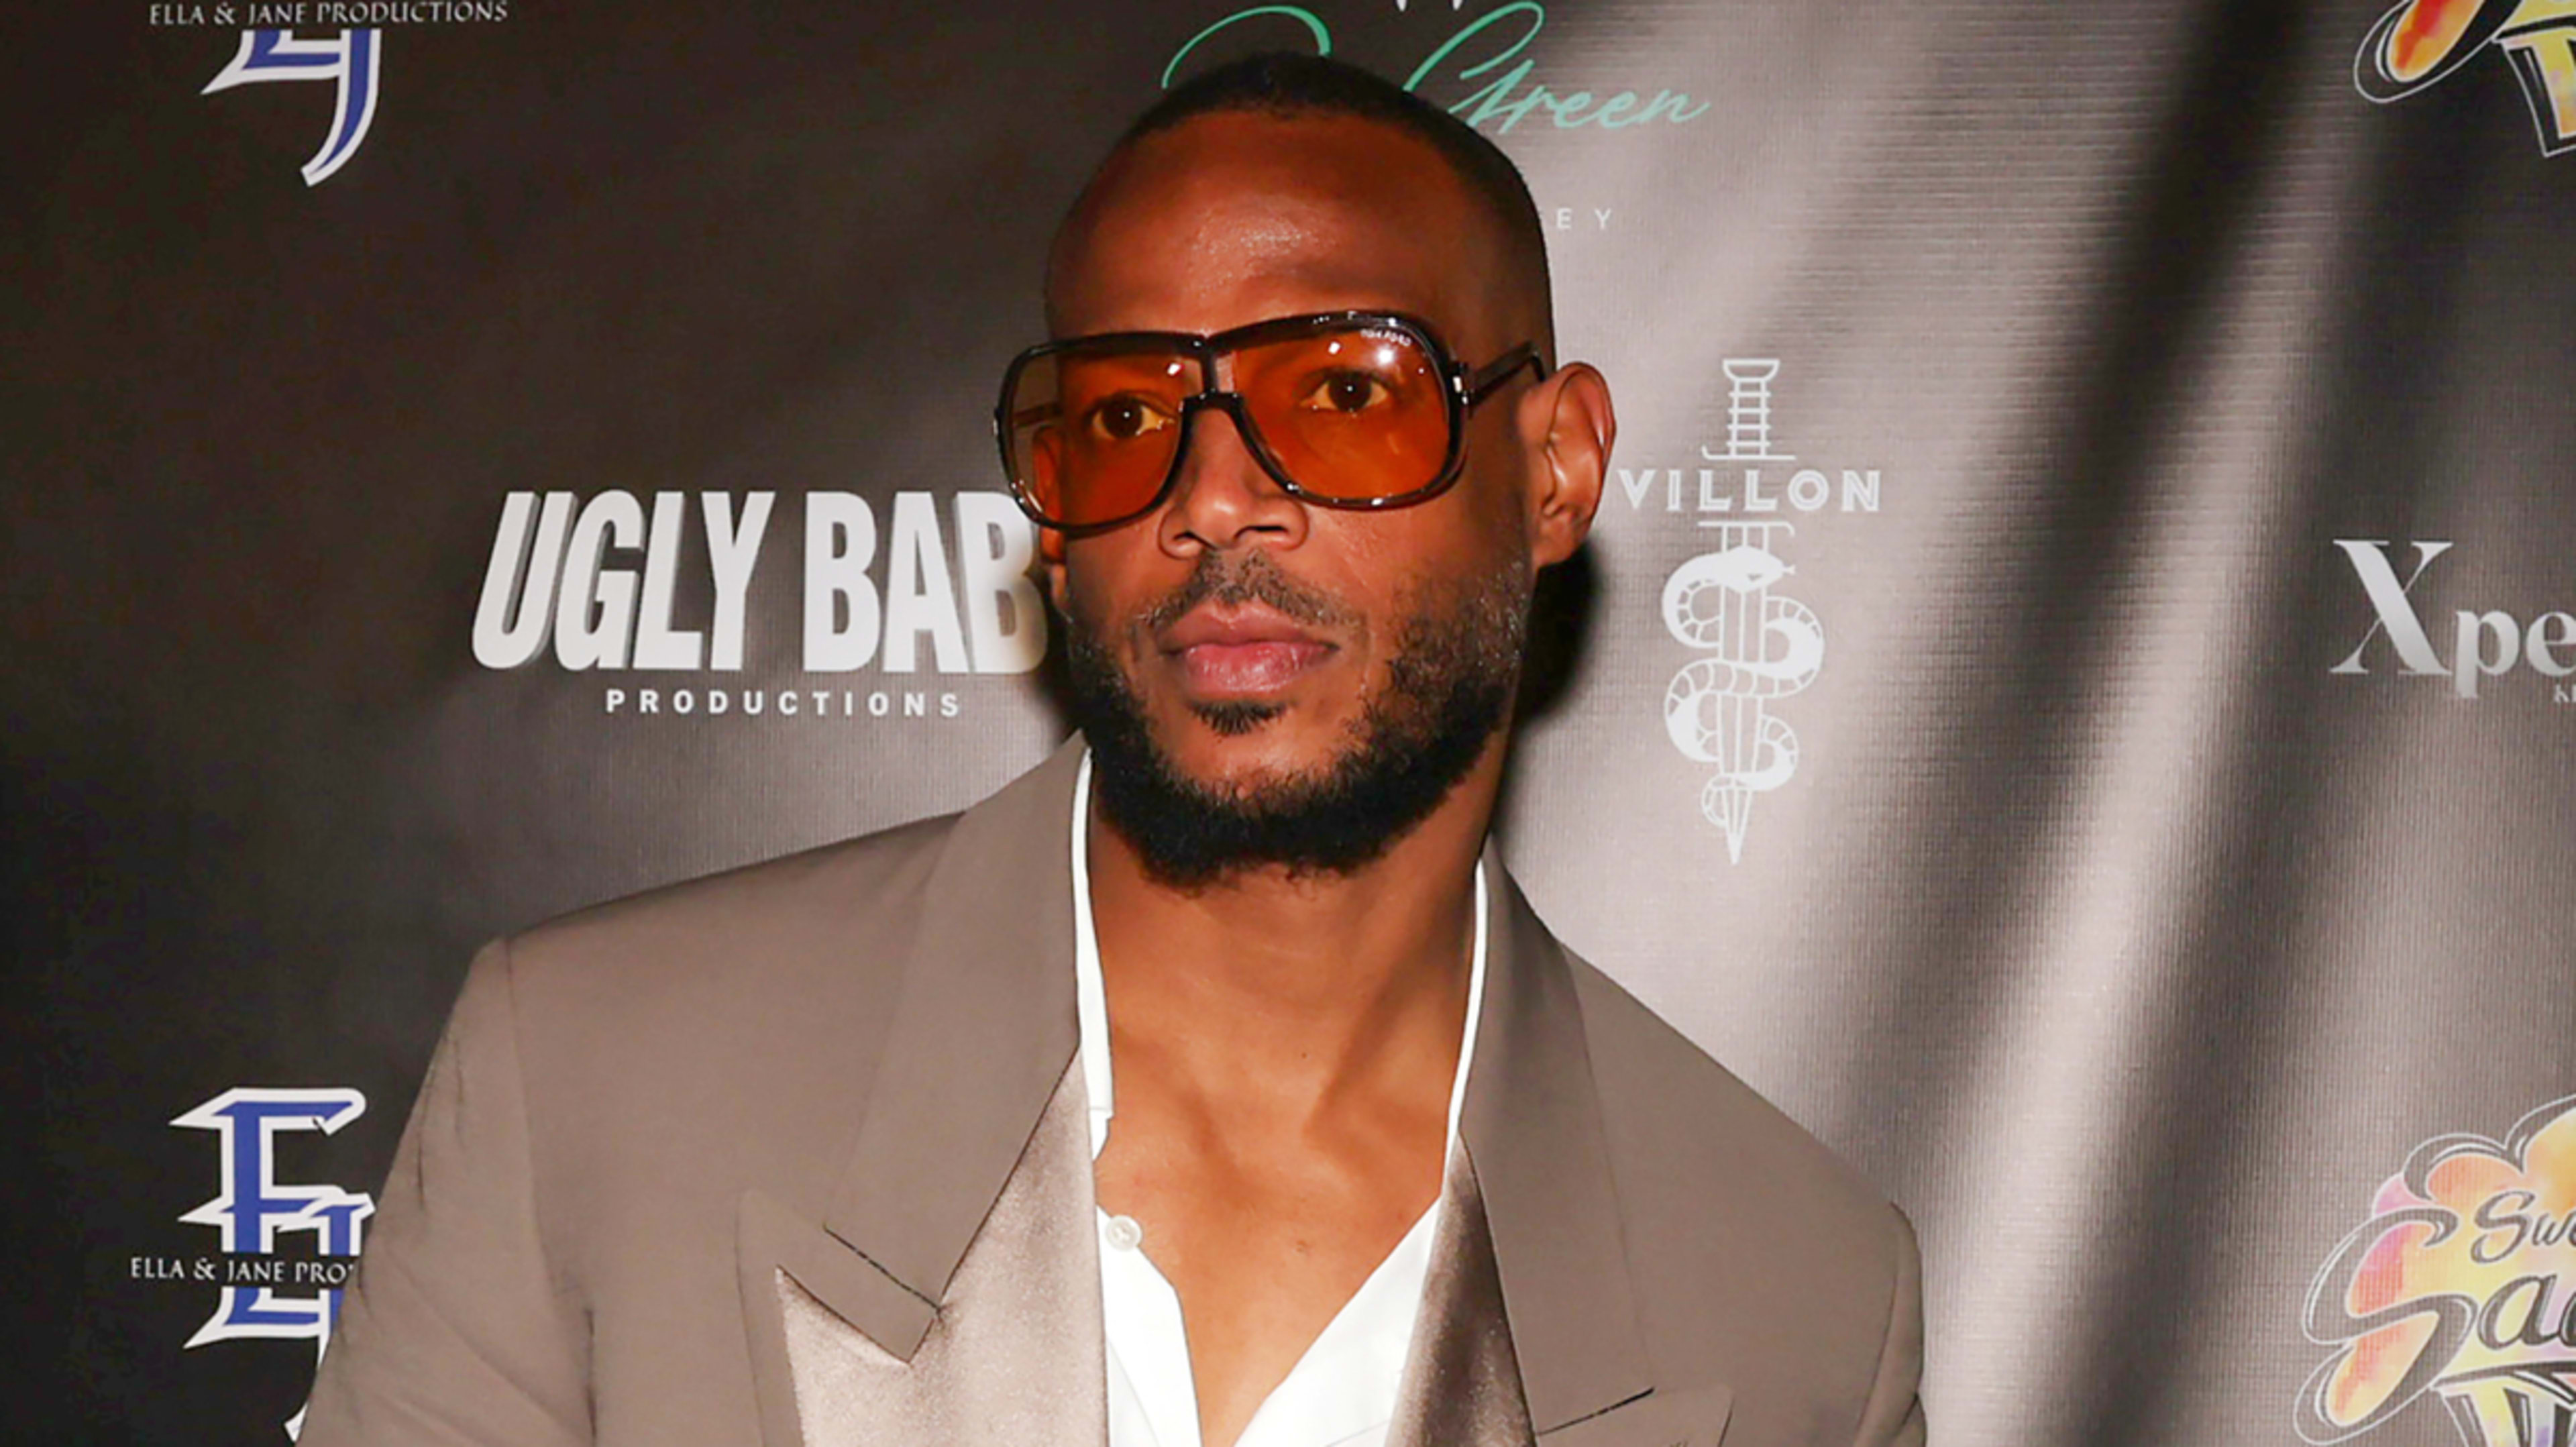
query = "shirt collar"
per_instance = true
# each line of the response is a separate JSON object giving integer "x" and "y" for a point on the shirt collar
{"x": 1091, "y": 999}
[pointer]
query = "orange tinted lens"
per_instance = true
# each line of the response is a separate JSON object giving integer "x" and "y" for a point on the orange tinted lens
{"x": 1092, "y": 437}
{"x": 1354, "y": 414}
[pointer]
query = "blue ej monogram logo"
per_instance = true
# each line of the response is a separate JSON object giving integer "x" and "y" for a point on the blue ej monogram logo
{"x": 254, "y": 1209}
{"x": 352, "y": 59}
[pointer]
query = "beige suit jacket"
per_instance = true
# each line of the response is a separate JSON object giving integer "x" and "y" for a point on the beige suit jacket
{"x": 645, "y": 1119}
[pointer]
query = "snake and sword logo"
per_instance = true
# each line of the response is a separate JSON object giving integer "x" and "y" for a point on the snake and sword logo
{"x": 1762, "y": 646}
{"x": 1758, "y": 645}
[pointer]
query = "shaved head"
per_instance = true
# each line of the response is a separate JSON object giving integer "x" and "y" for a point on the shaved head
{"x": 1268, "y": 682}
{"x": 1488, "y": 230}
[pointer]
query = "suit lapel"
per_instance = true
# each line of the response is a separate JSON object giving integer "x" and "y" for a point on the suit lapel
{"x": 1532, "y": 1126}
{"x": 775, "y": 1246}
{"x": 1462, "y": 1380}
{"x": 981, "y": 1035}
{"x": 1689, "y": 1418}
{"x": 1462, "y": 1386}
{"x": 983, "y": 1031}
{"x": 1006, "y": 1360}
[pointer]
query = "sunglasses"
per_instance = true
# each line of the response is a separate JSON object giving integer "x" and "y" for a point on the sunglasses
{"x": 1346, "y": 410}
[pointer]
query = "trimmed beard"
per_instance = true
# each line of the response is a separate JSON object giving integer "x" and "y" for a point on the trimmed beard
{"x": 1449, "y": 687}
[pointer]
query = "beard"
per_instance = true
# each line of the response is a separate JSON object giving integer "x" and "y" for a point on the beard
{"x": 1449, "y": 684}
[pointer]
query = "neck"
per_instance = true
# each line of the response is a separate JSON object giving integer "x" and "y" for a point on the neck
{"x": 1312, "y": 987}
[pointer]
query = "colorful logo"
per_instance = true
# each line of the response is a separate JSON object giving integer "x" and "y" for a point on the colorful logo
{"x": 351, "y": 61}
{"x": 2462, "y": 1284}
{"x": 2423, "y": 42}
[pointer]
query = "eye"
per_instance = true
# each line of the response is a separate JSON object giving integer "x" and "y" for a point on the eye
{"x": 1347, "y": 393}
{"x": 1124, "y": 419}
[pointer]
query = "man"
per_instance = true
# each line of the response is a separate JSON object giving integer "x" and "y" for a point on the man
{"x": 1210, "y": 1084}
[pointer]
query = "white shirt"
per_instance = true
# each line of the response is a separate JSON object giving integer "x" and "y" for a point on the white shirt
{"x": 1342, "y": 1392}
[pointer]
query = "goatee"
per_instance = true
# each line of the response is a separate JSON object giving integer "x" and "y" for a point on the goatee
{"x": 1448, "y": 688}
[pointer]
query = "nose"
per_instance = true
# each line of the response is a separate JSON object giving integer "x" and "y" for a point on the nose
{"x": 1222, "y": 498}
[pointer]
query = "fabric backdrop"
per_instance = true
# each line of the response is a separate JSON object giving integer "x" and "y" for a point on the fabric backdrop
{"x": 2069, "y": 694}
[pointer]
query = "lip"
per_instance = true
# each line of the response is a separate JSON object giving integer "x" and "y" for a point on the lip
{"x": 1240, "y": 652}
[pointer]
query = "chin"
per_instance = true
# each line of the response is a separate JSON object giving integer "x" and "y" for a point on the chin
{"x": 1234, "y": 718}
{"x": 1207, "y": 789}
{"x": 1244, "y": 748}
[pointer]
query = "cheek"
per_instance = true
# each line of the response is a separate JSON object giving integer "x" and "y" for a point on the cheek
{"x": 1051, "y": 568}
{"x": 1487, "y": 530}
{"x": 1077, "y": 603}
{"x": 1495, "y": 481}
{"x": 1095, "y": 582}
{"x": 1394, "y": 564}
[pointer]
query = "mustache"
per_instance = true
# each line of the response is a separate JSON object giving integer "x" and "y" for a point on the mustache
{"x": 1232, "y": 581}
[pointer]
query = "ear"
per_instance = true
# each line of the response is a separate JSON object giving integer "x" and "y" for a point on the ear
{"x": 1567, "y": 426}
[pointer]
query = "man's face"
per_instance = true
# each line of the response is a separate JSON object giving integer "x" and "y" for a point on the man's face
{"x": 1260, "y": 654}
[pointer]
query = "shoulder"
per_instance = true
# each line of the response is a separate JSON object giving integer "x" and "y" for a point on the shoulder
{"x": 1754, "y": 1248}
{"x": 751, "y": 1006}
{"x": 677, "y": 1046}
{"x": 756, "y": 913}
{"x": 1708, "y": 1133}
{"x": 709, "y": 1015}
{"x": 789, "y": 927}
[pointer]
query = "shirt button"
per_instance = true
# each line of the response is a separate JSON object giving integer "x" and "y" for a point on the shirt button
{"x": 1124, "y": 1233}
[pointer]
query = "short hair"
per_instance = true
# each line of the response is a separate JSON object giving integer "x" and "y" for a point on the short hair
{"x": 1287, "y": 84}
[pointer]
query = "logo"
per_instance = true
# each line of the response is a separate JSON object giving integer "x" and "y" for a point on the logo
{"x": 2485, "y": 643}
{"x": 2424, "y": 42}
{"x": 1470, "y": 54}
{"x": 1759, "y": 647}
{"x": 597, "y": 583}
{"x": 1763, "y": 647}
{"x": 2462, "y": 1284}
{"x": 352, "y": 61}
{"x": 262, "y": 1293}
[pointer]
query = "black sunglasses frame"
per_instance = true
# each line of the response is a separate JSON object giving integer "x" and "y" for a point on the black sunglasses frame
{"x": 1464, "y": 391}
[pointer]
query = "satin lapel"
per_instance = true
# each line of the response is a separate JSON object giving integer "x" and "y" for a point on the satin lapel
{"x": 983, "y": 1030}
{"x": 1462, "y": 1387}
{"x": 773, "y": 1242}
{"x": 1532, "y": 1125}
{"x": 1014, "y": 1354}
{"x": 1462, "y": 1380}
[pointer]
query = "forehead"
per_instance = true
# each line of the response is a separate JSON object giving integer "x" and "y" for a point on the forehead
{"x": 1235, "y": 217}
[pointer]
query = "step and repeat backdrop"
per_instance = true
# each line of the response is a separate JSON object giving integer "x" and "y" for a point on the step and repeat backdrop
{"x": 2072, "y": 692}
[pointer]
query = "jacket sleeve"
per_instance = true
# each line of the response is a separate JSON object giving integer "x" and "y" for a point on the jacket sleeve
{"x": 1894, "y": 1415}
{"x": 457, "y": 1328}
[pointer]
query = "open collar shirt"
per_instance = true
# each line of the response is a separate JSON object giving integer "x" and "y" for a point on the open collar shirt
{"x": 1342, "y": 1392}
